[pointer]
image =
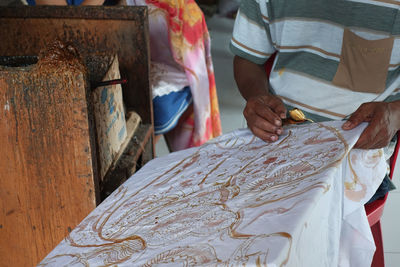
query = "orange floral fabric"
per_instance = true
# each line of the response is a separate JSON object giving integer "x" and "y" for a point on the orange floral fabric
{"x": 190, "y": 47}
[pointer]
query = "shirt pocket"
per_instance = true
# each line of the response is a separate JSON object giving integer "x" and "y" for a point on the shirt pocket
{"x": 364, "y": 64}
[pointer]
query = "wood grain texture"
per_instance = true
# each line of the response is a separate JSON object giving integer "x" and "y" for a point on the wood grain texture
{"x": 93, "y": 30}
{"x": 47, "y": 174}
{"x": 48, "y": 130}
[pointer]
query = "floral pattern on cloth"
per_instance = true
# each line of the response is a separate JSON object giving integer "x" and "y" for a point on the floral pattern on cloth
{"x": 237, "y": 200}
{"x": 187, "y": 49}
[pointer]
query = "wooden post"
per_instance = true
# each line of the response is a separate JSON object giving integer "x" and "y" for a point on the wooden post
{"x": 47, "y": 175}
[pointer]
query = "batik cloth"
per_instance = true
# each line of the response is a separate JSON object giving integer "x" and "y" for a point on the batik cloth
{"x": 332, "y": 55}
{"x": 181, "y": 57}
{"x": 237, "y": 201}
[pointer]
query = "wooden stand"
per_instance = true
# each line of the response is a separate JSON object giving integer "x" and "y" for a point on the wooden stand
{"x": 49, "y": 176}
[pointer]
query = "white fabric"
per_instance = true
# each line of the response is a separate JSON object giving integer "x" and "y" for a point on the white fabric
{"x": 237, "y": 200}
{"x": 327, "y": 100}
{"x": 379, "y": 3}
{"x": 165, "y": 79}
{"x": 245, "y": 32}
{"x": 345, "y": 101}
{"x": 331, "y": 36}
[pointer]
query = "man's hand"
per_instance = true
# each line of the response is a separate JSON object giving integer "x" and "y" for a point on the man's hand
{"x": 384, "y": 122}
{"x": 264, "y": 112}
{"x": 264, "y": 116}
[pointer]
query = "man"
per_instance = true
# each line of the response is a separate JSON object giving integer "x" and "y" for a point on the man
{"x": 334, "y": 60}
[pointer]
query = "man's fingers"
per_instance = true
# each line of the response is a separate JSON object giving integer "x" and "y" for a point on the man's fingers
{"x": 360, "y": 115}
{"x": 266, "y": 126}
{"x": 278, "y": 107}
{"x": 368, "y": 141}
{"x": 380, "y": 144}
{"x": 254, "y": 120}
{"x": 362, "y": 142}
{"x": 266, "y": 136}
{"x": 262, "y": 118}
{"x": 370, "y": 137}
{"x": 267, "y": 114}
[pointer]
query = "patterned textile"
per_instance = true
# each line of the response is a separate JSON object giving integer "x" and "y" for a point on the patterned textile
{"x": 236, "y": 201}
{"x": 179, "y": 39}
{"x": 332, "y": 55}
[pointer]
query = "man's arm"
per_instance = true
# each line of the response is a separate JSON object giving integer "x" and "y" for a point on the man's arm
{"x": 384, "y": 122}
{"x": 264, "y": 112}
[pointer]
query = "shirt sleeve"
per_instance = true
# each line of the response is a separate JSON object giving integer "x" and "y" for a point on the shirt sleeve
{"x": 251, "y": 36}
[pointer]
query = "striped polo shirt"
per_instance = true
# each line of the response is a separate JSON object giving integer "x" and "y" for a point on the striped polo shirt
{"x": 333, "y": 55}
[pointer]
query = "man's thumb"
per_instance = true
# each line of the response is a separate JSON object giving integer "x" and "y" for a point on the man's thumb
{"x": 355, "y": 119}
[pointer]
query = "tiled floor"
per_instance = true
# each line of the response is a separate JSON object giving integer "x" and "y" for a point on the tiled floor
{"x": 232, "y": 104}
